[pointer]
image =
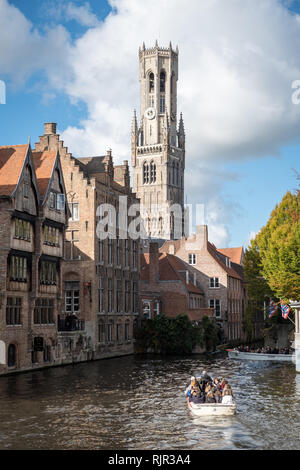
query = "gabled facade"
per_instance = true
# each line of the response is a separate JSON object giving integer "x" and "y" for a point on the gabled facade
{"x": 32, "y": 236}
{"x": 221, "y": 279}
{"x": 100, "y": 277}
{"x": 168, "y": 286}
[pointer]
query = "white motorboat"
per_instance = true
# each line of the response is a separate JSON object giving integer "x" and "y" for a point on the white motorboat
{"x": 211, "y": 409}
{"x": 234, "y": 354}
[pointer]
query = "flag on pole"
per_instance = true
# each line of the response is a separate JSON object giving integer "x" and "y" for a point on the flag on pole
{"x": 272, "y": 308}
{"x": 285, "y": 310}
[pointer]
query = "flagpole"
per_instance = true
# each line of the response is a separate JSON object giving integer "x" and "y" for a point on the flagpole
{"x": 291, "y": 320}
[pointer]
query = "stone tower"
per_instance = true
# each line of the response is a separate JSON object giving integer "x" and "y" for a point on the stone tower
{"x": 158, "y": 145}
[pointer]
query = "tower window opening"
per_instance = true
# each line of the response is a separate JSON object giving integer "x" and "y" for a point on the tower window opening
{"x": 162, "y": 82}
{"x": 145, "y": 173}
{"x": 162, "y": 104}
{"x": 151, "y": 101}
{"x": 151, "y": 82}
{"x": 152, "y": 172}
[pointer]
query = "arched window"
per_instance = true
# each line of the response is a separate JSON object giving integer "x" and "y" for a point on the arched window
{"x": 162, "y": 82}
{"x": 177, "y": 174}
{"x": 152, "y": 172}
{"x": 151, "y": 82}
{"x": 145, "y": 173}
{"x": 11, "y": 355}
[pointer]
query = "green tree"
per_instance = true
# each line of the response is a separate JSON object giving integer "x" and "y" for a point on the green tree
{"x": 279, "y": 248}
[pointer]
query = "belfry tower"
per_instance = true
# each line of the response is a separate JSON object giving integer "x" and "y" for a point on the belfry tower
{"x": 158, "y": 145}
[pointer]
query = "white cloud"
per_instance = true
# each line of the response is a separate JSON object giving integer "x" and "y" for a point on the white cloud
{"x": 237, "y": 62}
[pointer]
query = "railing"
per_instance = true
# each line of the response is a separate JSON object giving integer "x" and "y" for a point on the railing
{"x": 70, "y": 324}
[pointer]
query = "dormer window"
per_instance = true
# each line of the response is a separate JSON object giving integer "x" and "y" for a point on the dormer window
{"x": 57, "y": 201}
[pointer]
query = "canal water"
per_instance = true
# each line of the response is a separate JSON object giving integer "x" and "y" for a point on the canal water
{"x": 138, "y": 403}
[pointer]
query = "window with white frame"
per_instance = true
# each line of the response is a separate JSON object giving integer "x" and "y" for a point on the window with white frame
{"x": 146, "y": 309}
{"x": 216, "y": 305}
{"x": 74, "y": 209}
{"x": 72, "y": 296}
{"x": 192, "y": 258}
{"x": 214, "y": 282}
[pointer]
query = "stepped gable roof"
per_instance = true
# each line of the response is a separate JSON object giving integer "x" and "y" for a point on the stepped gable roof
{"x": 221, "y": 259}
{"x": 235, "y": 254}
{"x": 12, "y": 159}
{"x": 43, "y": 164}
{"x": 171, "y": 268}
{"x": 93, "y": 164}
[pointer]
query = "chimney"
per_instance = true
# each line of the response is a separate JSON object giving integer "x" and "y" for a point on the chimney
{"x": 50, "y": 128}
{"x": 153, "y": 261}
{"x": 201, "y": 236}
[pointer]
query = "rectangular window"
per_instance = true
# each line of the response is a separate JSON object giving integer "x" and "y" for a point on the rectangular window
{"x": 48, "y": 272}
{"x": 18, "y": 269}
{"x": 44, "y": 311}
{"x": 13, "y": 310}
{"x": 126, "y": 332}
{"x": 118, "y": 251}
{"x": 109, "y": 251}
{"x": 214, "y": 282}
{"x": 74, "y": 209}
{"x": 162, "y": 104}
{"x": 109, "y": 295}
{"x": 127, "y": 296}
{"x": 119, "y": 295}
{"x": 192, "y": 258}
{"x": 101, "y": 332}
{"x": 22, "y": 229}
{"x": 51, "y": 235}
{"x": 134, "y": 254}
{"x": 60, "y": 202}
{"x": 109, "y": 332}
{"x": 126, "y": 253}
{"x": 72, "y": 296}
{"x": 100, "y": 295}
{"x": 216, "y": 305}
{"x": 72, "y": 251}
{"x": 118, "y": 335}
{"x": 134, "y": 297}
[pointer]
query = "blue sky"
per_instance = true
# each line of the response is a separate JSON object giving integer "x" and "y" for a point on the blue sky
{"x": 241, "y": 147}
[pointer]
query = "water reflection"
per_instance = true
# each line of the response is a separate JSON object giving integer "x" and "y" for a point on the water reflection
{"x": 139, "y": 403}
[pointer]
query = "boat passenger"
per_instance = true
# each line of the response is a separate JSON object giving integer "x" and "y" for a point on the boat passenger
{"x": 227, "y": 398}
{"x": 188, "y": 389}
{"x": 205, "y": 377}
{"x": 210, "y": 398}
{"x": 222, "y": 384}
{"x": 218, "y": 396}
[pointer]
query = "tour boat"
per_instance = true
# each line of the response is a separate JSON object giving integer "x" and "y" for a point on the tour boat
{"x": 234, "y": 354}
{"x": 211, "y": 409}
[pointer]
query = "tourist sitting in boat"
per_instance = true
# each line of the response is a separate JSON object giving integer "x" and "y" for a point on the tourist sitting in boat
{"x": 227, "y": 398}
{"x": 218, "y": 395}
{"x": 210, "y": 397}
{"x": 194, "y": 386}
{"x": 227, "y": 387}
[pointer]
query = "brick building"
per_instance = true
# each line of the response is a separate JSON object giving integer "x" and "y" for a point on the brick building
{"x": 33, "y": 218}
{"x": 100, "y": 277}
{"x": 168, "y": 286}
{"x": 219, "y": 274}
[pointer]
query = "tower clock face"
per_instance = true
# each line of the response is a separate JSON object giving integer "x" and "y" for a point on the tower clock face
{"x": 150, "y": 113}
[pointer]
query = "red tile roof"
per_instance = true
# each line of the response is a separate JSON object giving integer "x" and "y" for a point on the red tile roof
{"x": 235, "y": 254}
{"x": 220, "y": 258}
{"x": 11, "y": 163}
{"x": 43, "y": 164}
{"x": 169, "y": 270}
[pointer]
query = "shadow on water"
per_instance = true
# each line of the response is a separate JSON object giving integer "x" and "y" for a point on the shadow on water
{"x": 138, "y": 402}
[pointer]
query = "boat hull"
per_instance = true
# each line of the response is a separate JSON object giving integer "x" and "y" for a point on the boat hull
{"x": 211, "y": 409}
{"x": 232, "y": 354}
